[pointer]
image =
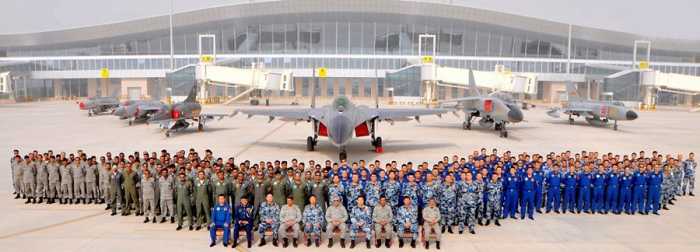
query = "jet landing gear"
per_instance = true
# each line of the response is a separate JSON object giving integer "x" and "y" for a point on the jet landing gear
{"x": 311, "y": 143}
{"x": 615, "y": 125}
{"x": 343, "y": 155}
{"x": 377, "y": 143}
{"x": 571, "y": 120}
{"x": 501, "y": 127}
{"x": 467, "y": 124}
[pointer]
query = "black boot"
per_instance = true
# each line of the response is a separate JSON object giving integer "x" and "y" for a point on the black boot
{"x": 146, "y": 220}
{"x": 449, "y": 229}
{"x": 427, "y": 245}
{"x": 17, "y": 197}
{"x": 437, "y": 244}
{"x": 480, "y": 222}
{"x": 352, "y": 244}
{"x": 285, "y": 242}
{"x": 250, "y": 242}
{"x": 33, "y": 200}
{"x": 367, "y": 244}
{"x": 154, "y": 220}
{"x": 691, "y": 194}
{"x": 211, "y": 245}
{"x": 413, "y": 243}
{"x": 41, "y": 200}
{"x": 488, "y": 222}
{"x": 443, "y": 229}
{"x": 387, "y": 243}
{"x": 191, "y": 228}
{"x": 262, "y": 242}
{"x": 172, "y": 219}
{"x": 497, "y": 223}
{"x": 294, "y": 242}
{"x": 400, "y": 243}
{"x": 342, "y": 243}
{"x": 378, "y": 243}
{"x": 178, "y": 228}
{"x": 318, "y": 242}
{"x": 107, "y": 208}
{"x": 162, "y": 220}
{"x": 308, "y": 242}
{"x": 274, "y": 242}
{"x": 330, "y": 242}
{"x": 29, "y": 200}
{"x": 235, "y": 244}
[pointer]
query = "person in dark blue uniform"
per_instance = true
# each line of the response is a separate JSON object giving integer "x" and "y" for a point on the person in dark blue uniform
{"x": 528, "y": 194}
{"x": 511, "y": 185}
{"x": 570, "y": 180}
{"x": 244, "y": 219}
{"x": 612, "y": 191}
{"x": 584, "y": 191}
{"x": 626, "y": 181}
{"x": 221, "y": 218}
{"x": 639, "y": 188}
{"x": 538, "y": 173}
{"x": 655, "y": 179}
{"x": 599, "y": 180}
{"x": 553, "y": 182}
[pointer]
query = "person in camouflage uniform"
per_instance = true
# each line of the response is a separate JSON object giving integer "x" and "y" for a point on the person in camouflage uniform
{"x": 407, "y": 219}
{"x": 313, "y": 220}
{"x": 448, "y": 204}
{"x": 66, "y": 183}
{"x": 91, "y": 191}
{"x": 494, "y": 189}
{"x": 269, "y": 219}
{"x": 42, "y": 178}
{"x": 666, "y": 188}
{"x": 392, "y": 191}
{"x": 372, "y": 191}
{"x": 689, "y": 166}
{"x": 354, "y": 191}
{"x": 54, "y": 190}
{"x": 360, "y": 221}
{"x": 467, "y": 202}
{"x": 336, "y": 189}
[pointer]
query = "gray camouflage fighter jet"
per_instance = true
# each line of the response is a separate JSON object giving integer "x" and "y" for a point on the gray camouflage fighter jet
{"x": 139, "y": 111}
{"x": 179, "y": 115}
{"x": 597, "y": 113}
{"x": 99, "y": 105}
{"x": 342, "y": 120}
{"x": 493, "y": 110}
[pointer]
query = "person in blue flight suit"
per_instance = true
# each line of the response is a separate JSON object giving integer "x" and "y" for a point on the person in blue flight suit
{"x": 511, "y": 185}
{"x": 244, "y": 219}
{"x": 570, "y": 183}
{"x": 626, "y": 181}
{"x": 538, "y": 173}
{"x": 638, "y": 191}
{"x": 553, "y": 181}
{"x": 655, "y": 179}
{"x": 528, "y": 193}
{"x": 612, "y": 191}
{"x": 599, "y": 190}
{"x": 221, "y": 218}
{"x": 584, "y": 191}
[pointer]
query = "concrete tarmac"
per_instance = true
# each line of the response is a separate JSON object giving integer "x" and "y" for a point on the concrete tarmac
{"x": 60, "y": 126}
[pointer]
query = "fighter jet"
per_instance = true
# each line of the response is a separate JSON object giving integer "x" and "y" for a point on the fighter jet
{"x": 597, "y": 113}
{"x": 342, "y": 120}
{"x": 139, "y": 111}
{"x": 99, "y": 105}
{"x": 493, "y": 110}
{"x": 179, "y": 115}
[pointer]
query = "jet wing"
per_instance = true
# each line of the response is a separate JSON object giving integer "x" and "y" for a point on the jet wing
{"x": 580, "y": 111}
{"x": 403, "y": 114}
{"x": 150, "y": 108}
{"x": 207, "y": 116}
{"x": 284, "y": 114}
{"x": 466, "y": 104}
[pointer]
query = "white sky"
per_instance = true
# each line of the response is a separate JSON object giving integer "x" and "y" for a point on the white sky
{"x": 669, "y": 18}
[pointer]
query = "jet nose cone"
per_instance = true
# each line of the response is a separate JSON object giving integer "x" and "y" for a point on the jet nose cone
{"x": 631, "y": 115}
{"x": 340, "y": 130}
{"x": 515, "y": 115}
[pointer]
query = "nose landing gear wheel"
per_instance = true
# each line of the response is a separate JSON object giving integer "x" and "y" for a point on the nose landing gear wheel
{"x": 467, "y": 125}
{"x": 167, "y": 133}
{"x": 131, "y": 122}
{"x": 200, "y": 127}
{"x": 343, "y": 155}
{"x": 310, "y": 144}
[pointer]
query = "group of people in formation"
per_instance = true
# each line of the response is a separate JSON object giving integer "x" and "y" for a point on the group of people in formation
{"x": 362, "y": 201}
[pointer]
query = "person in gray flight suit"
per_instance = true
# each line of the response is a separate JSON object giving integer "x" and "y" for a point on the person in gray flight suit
{"x": 166, "y": 185}
{"x": 104, "y": 169}
{"x": 66, "y": 182}
{"x": 54, "y": 189}
{"x": 148, "y": 190}
{"x": 78, "y": 173}
{"x": 290, "y": 216}
{"x": 42, "y": 178}
{"x": 383, "y": 217}
{"x": 183, "y": 190}
{"x": 91, "y": 180}
{"x": 28, "y": 183}
{"x": 17, "y": 174}
{"x": 431, "y": 224}
{"x": 336, "y": 216}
